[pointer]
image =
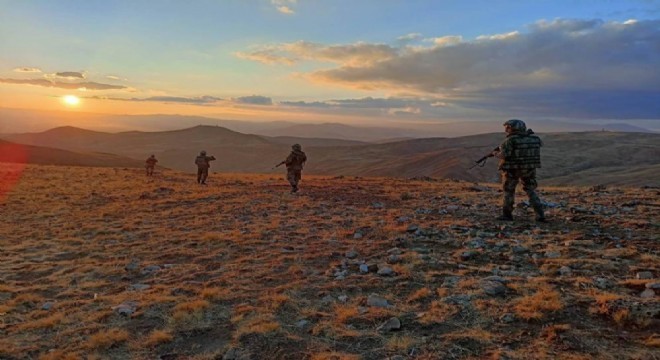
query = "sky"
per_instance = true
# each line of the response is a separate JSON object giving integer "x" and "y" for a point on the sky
{"x": 352, "y": 61}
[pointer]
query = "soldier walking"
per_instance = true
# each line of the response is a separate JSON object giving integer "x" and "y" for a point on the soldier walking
{"x": 294, "y": 165}
{"x": 150, "y": 164}
{"x": 520, "y": 156}
{"x": 203, "y": 164}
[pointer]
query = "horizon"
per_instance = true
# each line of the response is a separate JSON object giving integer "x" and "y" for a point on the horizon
{"x": 287, "y": 60}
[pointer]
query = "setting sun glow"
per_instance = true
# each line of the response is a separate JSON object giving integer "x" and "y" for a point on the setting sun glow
{"x": 71, "y": 100}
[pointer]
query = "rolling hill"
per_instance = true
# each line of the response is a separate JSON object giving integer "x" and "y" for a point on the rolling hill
{"x": 568, "y": 158}
{"x": 19, "y": 153}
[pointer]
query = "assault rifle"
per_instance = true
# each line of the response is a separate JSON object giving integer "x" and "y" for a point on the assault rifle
{"x": 481, "y": 162}
{"x": 280, "y": 164}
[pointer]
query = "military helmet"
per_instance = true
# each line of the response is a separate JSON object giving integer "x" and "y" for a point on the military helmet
{"x": 516, "y": 125}
{"x": 203, "y": 152}
{"x": 296, "y": 147}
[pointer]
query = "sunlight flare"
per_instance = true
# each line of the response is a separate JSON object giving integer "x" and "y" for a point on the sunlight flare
{"x": 71, "y": 100}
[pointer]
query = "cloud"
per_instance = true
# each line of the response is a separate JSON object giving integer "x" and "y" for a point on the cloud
{"x": 70, "y": 75}
{"x": 561, "y": 53}
{"x": 200, "y": 100}
{"x": 64, "y": 85}
{"x": 407, "y": 111}
{"x": 254, "y": 100}
{"x": 550, "y": 59}
{"x": 26, "y": 69}
{"x": 284, "y": 6}
{"x": 358, "y": 54}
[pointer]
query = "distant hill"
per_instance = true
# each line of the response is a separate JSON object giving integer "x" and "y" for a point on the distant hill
{"x": 568, "y": 158}
{"x": 13, "y": 121}
{"x": 19, "y": 153}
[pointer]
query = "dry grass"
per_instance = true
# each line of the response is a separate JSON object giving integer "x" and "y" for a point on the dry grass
{"x": 534, "y": 306}
{"x": 244, "y": 264}
{"x": 106, "y": 339}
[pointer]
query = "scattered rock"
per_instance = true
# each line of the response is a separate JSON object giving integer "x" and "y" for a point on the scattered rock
{"x": 565, "y": 271}
{"x": 150, "y": 269}
{"x": 377, "y": 301}
{"x": 394, "y": 251}
{"x": 552, "y": 254}
{"x": 301, "y": 324}
{"x": 138, "y": 287}
{"x": 393, "y": 259}
{"x": 364, "y": 268}
{"x": 352, "y": 254}
{"x": 644, "y": 275}
{"x": 602, "y": 283}
{"x": 47, "y": 305}
{"x": 493, "y": 288}
{"x": 517, "y": 249}
{"x": 343, "y": 298}
{"x": 467, "y": 255}
{"x": 357, "y": 235}
{"x": 403, "y": 219}
{"x": 126, "y": 308}
{"x": 385, "y": 271}
{"x": 653, "y": 286}
{"x": 460, "y": 299}
{"x": 507, "y": 318}
{"x": 327, "y": 300}
{"x": 647, "y": 294}
{"x": 391, "y": 324}
{"x": 496, "y": 278}
{"x": 412, "y": 228}
{"x": 236, "y": 354}
{"x": 132, "y": 266}
{"x": 450, "y": 281}
{"x": 377, "y": 205}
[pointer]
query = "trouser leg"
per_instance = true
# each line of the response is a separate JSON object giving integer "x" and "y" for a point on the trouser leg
{"x": 530, "y": 185}
{"x": 510, "y": 181}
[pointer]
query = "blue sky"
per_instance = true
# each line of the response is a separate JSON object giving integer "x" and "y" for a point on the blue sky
{"x": 385, "y": 60}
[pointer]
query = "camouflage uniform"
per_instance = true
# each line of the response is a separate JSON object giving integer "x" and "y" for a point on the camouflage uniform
{"x": 520, "y": 156}
{"x": 150, "y": 164}
{"x": 203, "y": 165}
{"x": 294, "y": 165}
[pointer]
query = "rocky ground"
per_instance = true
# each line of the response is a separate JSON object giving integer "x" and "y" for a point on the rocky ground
{"x": 108, "y": 264}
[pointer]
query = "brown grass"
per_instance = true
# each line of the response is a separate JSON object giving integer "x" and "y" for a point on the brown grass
{"x": 534, "y": 306}
{"x": 243, "y": 261}
{"x": 106, "y": 339}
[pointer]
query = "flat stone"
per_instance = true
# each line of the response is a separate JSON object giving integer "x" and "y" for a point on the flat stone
{"x": 552, "y": 254}
{"x": 496, "y": 278}
{"x": 150, "y": 269}
{"x": 47, "y": 305}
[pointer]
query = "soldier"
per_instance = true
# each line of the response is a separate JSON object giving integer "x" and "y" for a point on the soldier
{"x": 294, "y": 165}
{"x": 202, "y": 162}
{"x": 520, "y": 156}
{"x": 150, "y": 165}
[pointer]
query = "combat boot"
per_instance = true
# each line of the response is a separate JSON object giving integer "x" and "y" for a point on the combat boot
{"x": 540, "y": 216}
{"x": 506, "y": 216}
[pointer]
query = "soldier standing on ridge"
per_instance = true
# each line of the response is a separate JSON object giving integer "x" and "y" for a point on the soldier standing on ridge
{"x": 294, "y": 165}
{"x": 202, "y": 162}
{"x": 150, "y": 165}
{"x": 520, "y": 156}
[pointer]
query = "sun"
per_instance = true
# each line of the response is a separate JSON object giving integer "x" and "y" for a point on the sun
{"x": 71, "y": 100}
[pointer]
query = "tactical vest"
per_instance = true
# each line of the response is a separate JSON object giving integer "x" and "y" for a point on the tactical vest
{"x": 201, "y": 161}
{"x": 296, "y": 160}
{"x": 525, "y": 152}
